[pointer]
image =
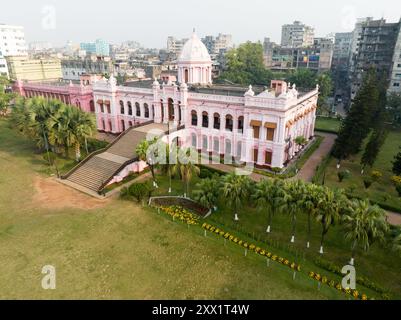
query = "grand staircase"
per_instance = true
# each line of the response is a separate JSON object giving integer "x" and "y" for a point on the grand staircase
{"x": 98, "y": 169}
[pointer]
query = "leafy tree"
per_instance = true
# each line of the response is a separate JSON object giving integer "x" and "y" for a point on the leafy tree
{"x": 325, "y": 82}
{"x": 5, "y": 97}
{"x": 394, "y": 107}
{"x": 397, "y": 164}
{"x": 143, "y": 153}
{"x": 207, "y": 192}
{"x": 270, "y": 195}
{"x": 235, "y": 190}
{"x": 373, "y": 147}
{"x": 363, "y": 224}
{"x": 139, "y": 191}
{"x": 303, "y": 78}
{"x": 245, "y": 65}
{"x": 357, "y": 125}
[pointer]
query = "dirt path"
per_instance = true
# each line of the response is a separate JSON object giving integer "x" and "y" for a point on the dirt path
{"x": 394, "y": 218}
{"x": 308, "y": 170}
{"x": 53, "y": 195}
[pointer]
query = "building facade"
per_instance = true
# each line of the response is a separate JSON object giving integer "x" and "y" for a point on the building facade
{"x": 80, "y": 95}
{"x": 12, "y": 40}
{"x": 395, "y": 81}
{"x": 175, "y": 45}
{"x": 317, "y": 57}
{"x": 73, "y": 69}
{"x": 30, "y": 69}
{"x": 99, "y": 47}
{"x": 296, "y": 35}
{"x": 215, "y": 44}
{"x": 376, "y": 48}
{"x": 252, "y": 125}
{"x": 3, "y": 66}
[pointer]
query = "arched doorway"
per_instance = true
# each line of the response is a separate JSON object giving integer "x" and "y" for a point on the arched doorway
{"x": 170, "y": 109}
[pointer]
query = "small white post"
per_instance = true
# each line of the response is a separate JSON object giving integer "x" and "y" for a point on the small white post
{"x": 292, "y": 239}
{"x": 321, "y": 250}
{"x": 267, "y": 262}
{"x": 308, "y": 245}
{"x": 205, "y": 233}
{"x": 246, "y": 252}
{"x": 268, "y": 229}
{"x": 236, "y": 218}
{"x": 294, "y": 275}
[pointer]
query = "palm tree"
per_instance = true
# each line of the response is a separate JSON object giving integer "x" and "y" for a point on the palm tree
{"x": 270, "y": 195}
{"x": 186, "y": 168}
{"x": 364, "y": 224}
{"x": 207, "y": 193}
{"x": 295, "y": 195}
{"x": 313, "y": 197}
{"x": 235, "y": 189}
{"x": 77, "y": 126}
{"x": 329, "y": 211}
{"x": 20, "y": 116}
{"x": 142, "y": 150}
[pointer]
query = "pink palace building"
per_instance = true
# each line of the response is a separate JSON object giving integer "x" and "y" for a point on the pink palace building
{"x": 252, "y": 125}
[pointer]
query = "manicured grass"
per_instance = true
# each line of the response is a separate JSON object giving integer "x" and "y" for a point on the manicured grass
{"x": 382, "y": 192}
{"x": 376, "y": 265}
{"x": 331, "y": 125}
{"x": 118, "y": 250}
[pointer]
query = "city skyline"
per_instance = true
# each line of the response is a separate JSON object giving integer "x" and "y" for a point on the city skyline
{"x": 158, "y": 19}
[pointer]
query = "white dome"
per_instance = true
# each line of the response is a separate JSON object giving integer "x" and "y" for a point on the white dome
{"x": 194, "y": 51}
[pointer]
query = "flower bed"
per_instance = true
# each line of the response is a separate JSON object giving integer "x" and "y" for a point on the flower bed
{"x": 333, "y": 284}
{"x": 179, "y": 213}
{"x": 181, "y": 202}
{"x": 251, "y": 247}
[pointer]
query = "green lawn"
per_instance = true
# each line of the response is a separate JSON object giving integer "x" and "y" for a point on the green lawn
{"x": 119, "y": 249}
{"x": 382, "y": 192}
{"x": 331, "y": 125}
{"x": 374, "y": 265}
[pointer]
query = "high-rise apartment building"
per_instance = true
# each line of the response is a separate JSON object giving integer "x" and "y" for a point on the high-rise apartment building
{"x": 3, "y": 66}
{"x": 99, "y": 47}
{"x": 215, "y": 44}
{"x": 377, "y": 47}
{"x": 297, "y": 35}
{"x": 175, "y": 45}
{"x": 12, "y": 40}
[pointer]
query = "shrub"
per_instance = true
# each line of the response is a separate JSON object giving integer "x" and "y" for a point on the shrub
{"x": 398, "y": 188}
{"x": 139, "y": 191}
{"x": 396, "y": 180}
{"x": 376, "y": 175}
{"x": 205, "y": 173}
{"x": 343, "y": 174}
{"x": 367, "y": 182}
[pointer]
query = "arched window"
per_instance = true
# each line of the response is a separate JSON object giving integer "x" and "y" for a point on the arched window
{"x": 101, "y": 107}
{"x": 122, "y": 111}
{"x": 171, "y": 115}
{"x": 122, "y": 125}
{"x": 205, "y": 119}
{"x": 239, "y": 149}
{"x": 179, "y": 112}
{"x": 216, "y": 145}
{"x": 241, "y": 124}
{"x": 228, "y": 147}
{"x": 194, "y": 140}
{"x": 146, "y": 107}
{"x": 229, "y": 122}
{"x": 194, "y": 118}
{"x": 138, "y": 109}
{"x": 204, "y": 143}
{"x": 186, "y": 76}
{"x": 129, "y": 108}
{"x": 216, "y": 121}
{"x": 92, "y": 106}
{"x": 110, "y": 126}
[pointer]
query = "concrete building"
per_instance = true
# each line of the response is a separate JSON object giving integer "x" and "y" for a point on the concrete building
{"x": 175, "y": 45}
{"x": 99, "y": 47}
{"x": 215, "y": 44}
{"x": 376, "y": 47}
{"x": 12, "y": 40}
{"x": 297, "y": 35}
{"x": 30, "y": 69}
{"x": 73, "y": 69}
{"x": 253, "y": 125}
{"x": 317, "y": 57}
{"x": 3, "y": 66}
{"x": 395, "y": 80}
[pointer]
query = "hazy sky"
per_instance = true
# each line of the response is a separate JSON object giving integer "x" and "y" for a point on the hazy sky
{"x": 151, "y": 21}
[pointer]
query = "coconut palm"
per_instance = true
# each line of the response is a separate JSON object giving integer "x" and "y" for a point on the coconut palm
{"x": 143, "y": 152}
{"x": 270, "y": 195}
{"x": 207, "y": 193}
{"x": 235, "y": 190}
{"x": 77, "y": 126}
{"x": 20, "y": 116}
{"x": 186, "y": 167}
{"x": 295, "y": 196}
{"x": 329, "y": 211}
{"x": 312, "y": 198}
{"x": 363, "y": 224}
